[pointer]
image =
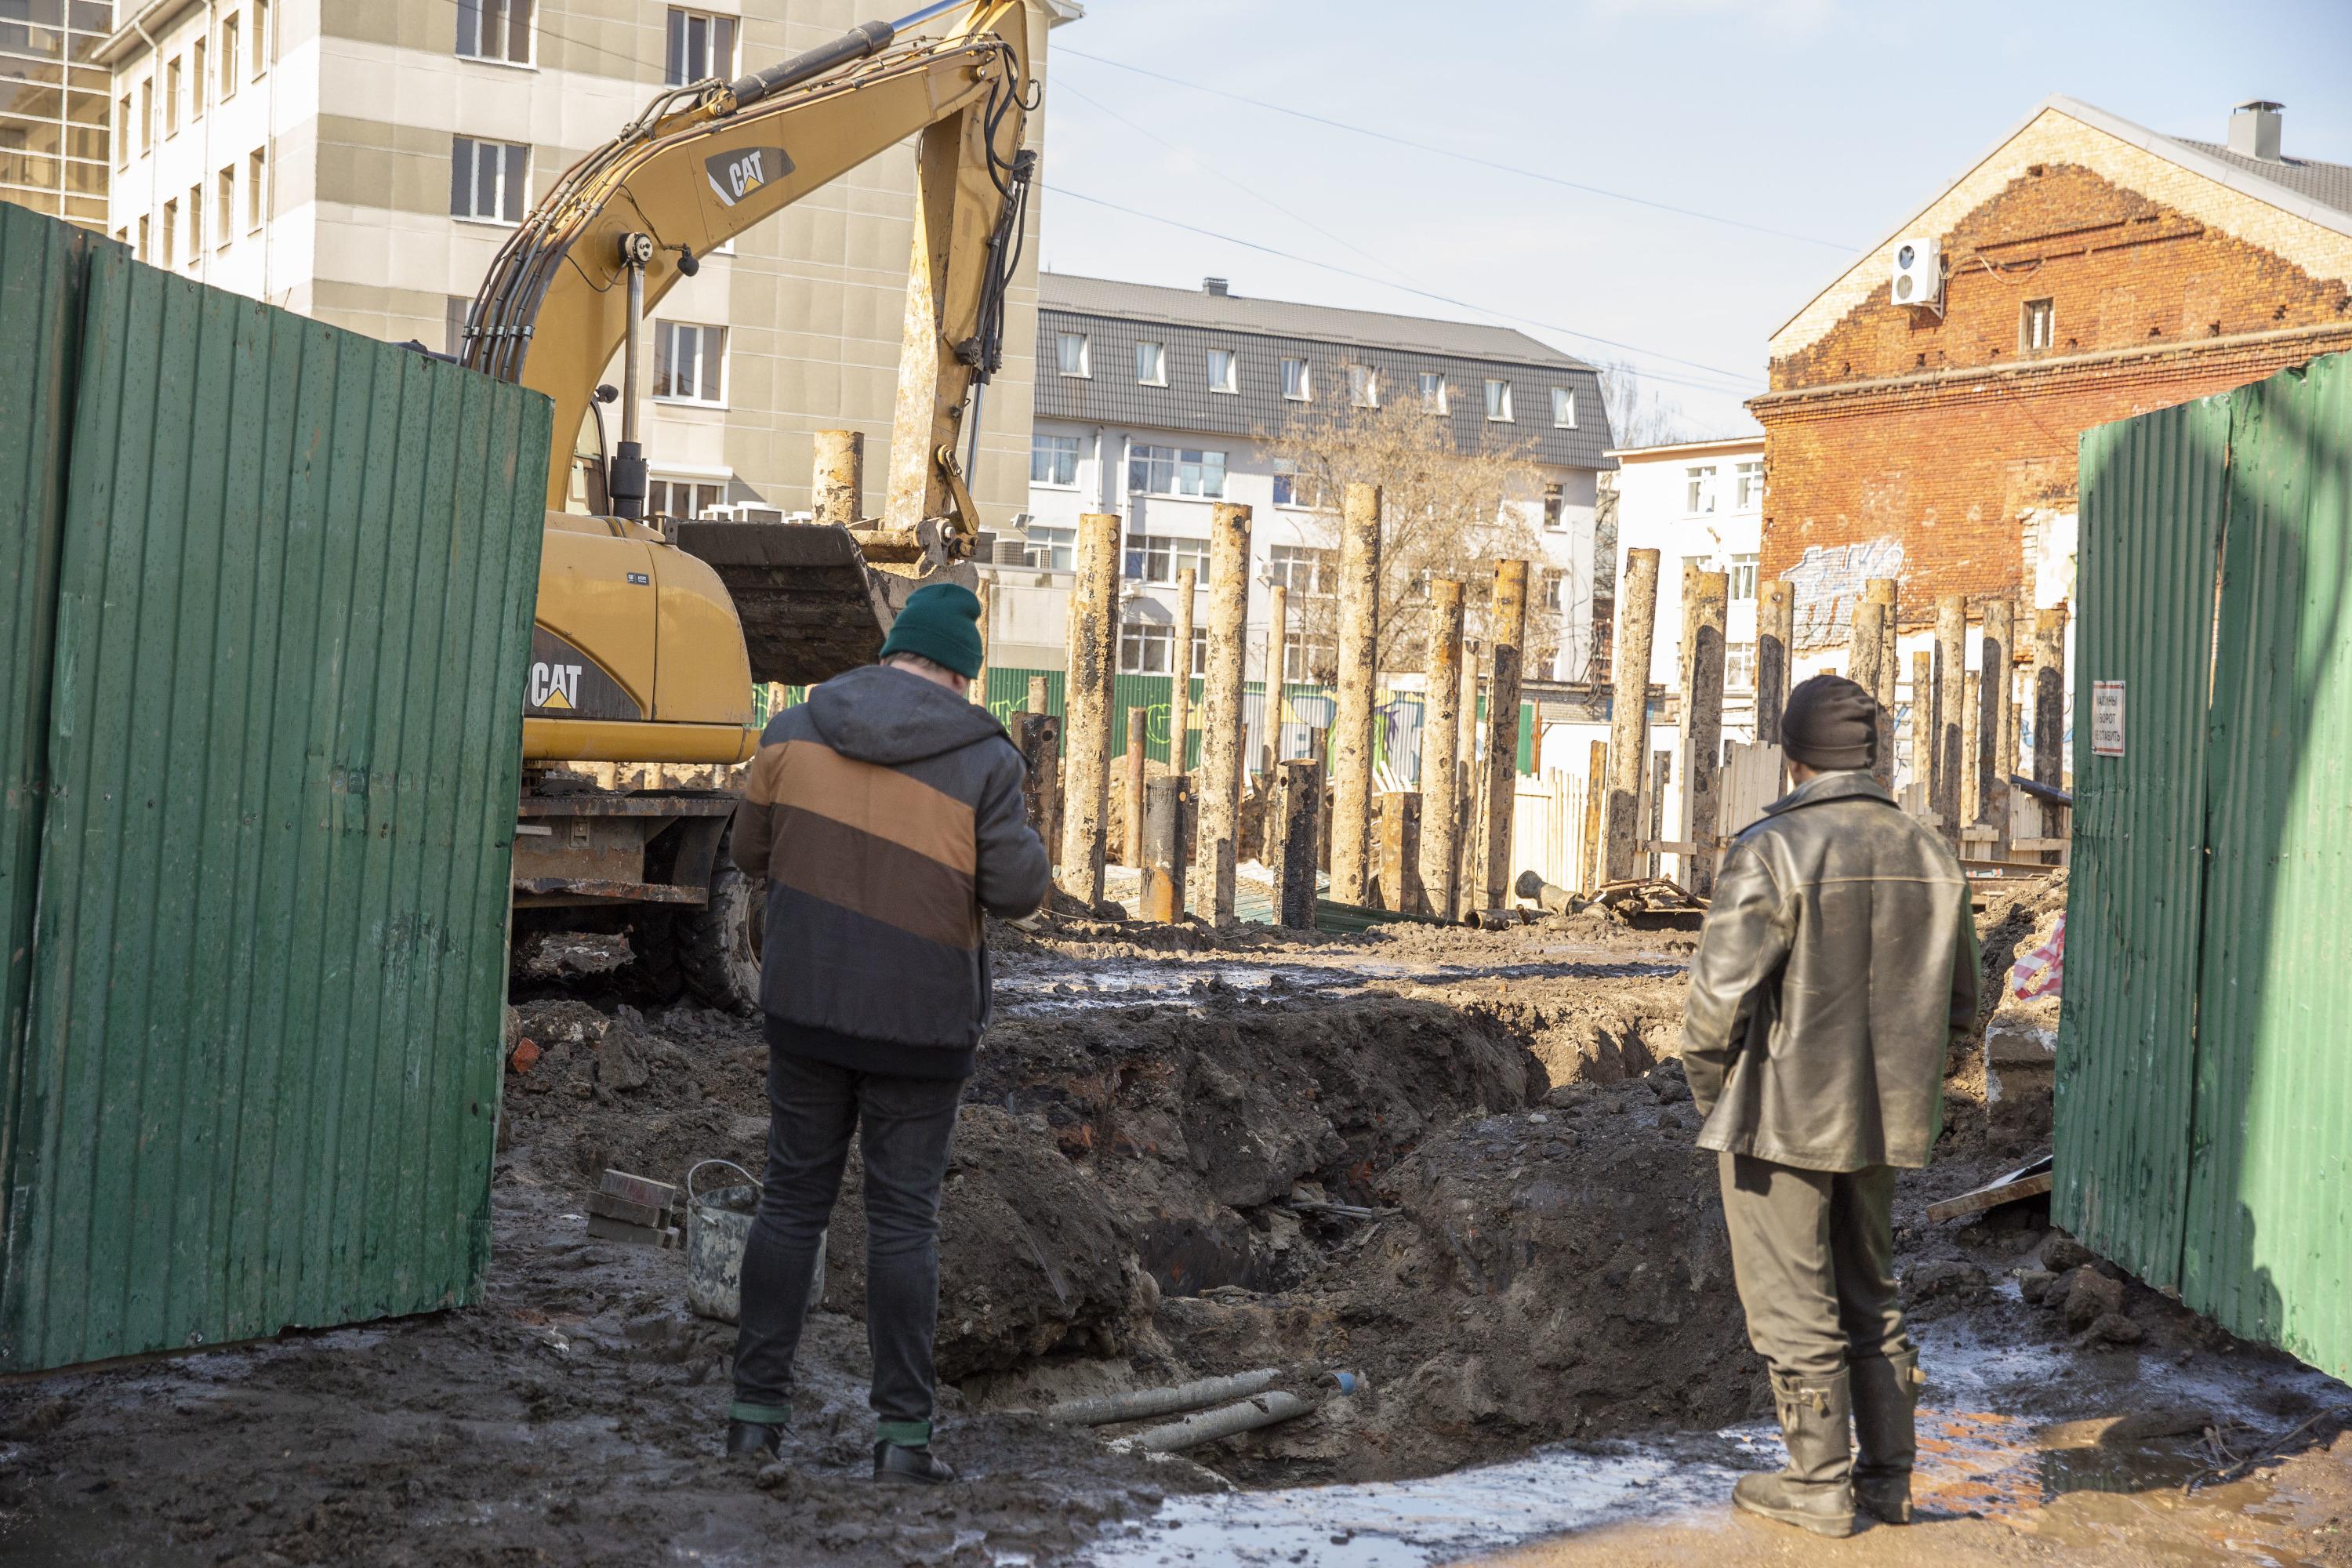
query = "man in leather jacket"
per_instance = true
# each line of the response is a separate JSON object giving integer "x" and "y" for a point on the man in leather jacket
{"x": 1837, "y": 966}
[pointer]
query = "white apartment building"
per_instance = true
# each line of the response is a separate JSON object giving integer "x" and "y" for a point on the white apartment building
{"x": 1700, "y": 505}
{"x": 362, "y": 163}
{"x": 1153, "y": 402}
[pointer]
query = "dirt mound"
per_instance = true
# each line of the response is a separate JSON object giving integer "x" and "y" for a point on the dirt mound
{"x": 1550, "y": 1273}
{"x": 1196, "y": 1121}
{"x": 1030, "y": 1260}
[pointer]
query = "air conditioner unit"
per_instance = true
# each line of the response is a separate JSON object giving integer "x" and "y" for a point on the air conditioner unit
{"x": 1919, "y": 274}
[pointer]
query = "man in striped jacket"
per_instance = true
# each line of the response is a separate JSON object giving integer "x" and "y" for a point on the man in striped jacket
{"x": 886, "y": 814}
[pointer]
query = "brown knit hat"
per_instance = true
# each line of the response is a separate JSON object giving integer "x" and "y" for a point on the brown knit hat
{"x": 1830, "y": 723}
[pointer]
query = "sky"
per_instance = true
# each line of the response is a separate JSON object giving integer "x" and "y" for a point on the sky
{"x": 1801, "y": 133}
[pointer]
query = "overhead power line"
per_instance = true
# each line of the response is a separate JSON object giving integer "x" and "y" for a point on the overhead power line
{"x": 1436, "y": 151}
{"x": 1745, "y": 378}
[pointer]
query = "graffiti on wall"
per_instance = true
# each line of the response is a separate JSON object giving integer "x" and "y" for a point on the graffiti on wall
{"x": 1829, "y": 579}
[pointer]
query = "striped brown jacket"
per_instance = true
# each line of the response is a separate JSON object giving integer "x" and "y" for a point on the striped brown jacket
{"x": 886, "y": 814}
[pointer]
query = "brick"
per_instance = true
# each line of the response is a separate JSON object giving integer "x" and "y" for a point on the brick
{"x": 653, "y": 1216}
{"x": 1950, "y": 461}
{"x": 639, "y": 1189}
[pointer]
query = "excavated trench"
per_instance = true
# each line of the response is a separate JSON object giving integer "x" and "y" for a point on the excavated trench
{"x": 1455, "y": 1164}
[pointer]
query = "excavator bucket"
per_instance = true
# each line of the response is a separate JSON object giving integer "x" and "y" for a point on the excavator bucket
{"x": 816, "y": 599}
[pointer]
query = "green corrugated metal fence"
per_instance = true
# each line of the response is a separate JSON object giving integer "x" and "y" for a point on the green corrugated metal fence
{"x": 2205, "y": 1092}
{"x": 261, "y": 1066}
{"x": 41, "y": 269}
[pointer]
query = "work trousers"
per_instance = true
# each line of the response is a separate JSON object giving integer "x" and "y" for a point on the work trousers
{"x": 904, "y": 1126}
{"x": 1813, "y": 1255}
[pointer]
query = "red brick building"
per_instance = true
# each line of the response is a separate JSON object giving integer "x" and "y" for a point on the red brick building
{"x": 2084, "y": 270}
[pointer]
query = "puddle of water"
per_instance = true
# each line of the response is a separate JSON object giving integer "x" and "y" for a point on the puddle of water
{"x": 1405, "y": 1524}
{"x": 2053, "y": 1481}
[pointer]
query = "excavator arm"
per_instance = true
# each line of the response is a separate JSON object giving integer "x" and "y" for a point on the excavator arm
{"x": 645, "y": 652}
{"x": 705, "y": 162}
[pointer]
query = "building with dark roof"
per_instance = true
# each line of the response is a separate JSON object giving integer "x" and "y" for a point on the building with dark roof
{"x": 1156, "y": 403}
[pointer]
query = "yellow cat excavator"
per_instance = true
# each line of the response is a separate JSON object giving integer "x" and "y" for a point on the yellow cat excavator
{"x": 639, "y": 645}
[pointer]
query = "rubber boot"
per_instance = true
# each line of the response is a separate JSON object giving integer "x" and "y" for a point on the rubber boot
{"x": 910, "y": 1466}
{"x": 754, "y": 1438}
{"x": 1814, "y": 1492}
{"x": 1886, "y": 1394}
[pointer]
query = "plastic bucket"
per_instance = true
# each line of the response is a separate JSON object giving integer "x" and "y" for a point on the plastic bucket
{"x": 718, "y": 1227}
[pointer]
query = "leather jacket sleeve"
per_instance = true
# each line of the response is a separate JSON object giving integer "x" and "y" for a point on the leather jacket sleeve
{"x": 1748, "y": 933}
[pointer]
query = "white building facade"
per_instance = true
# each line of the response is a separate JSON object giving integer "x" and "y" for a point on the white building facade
{"x": 1155, "y": 404}
{"x": 1699, "y": 504}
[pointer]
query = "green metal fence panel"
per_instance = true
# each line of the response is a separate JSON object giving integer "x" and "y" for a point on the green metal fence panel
{"x": 41, "y": 271}
{"x": 261, "y": 1066}
{"x": 2268, "y": 1244}
{"x": 2153, "y": 496}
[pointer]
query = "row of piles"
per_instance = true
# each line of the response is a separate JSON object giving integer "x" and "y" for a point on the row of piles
{"x": 1964, "y": 728}
{"x": 1415, "y": 861}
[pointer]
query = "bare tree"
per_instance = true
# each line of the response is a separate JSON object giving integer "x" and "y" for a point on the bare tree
{"x": 1638, "y": 414}
{"x": 1446, "y": 512}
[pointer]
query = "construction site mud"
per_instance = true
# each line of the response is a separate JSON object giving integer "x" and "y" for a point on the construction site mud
{"x": 1458, "y": 1165}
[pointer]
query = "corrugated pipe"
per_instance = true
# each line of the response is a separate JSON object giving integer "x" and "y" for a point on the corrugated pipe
{"x": 1106, "y": 1409}
{"x": 1261, "y": 1410}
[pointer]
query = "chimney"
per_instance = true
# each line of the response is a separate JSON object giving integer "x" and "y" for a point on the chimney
{"x": 2254, "y": 130}
{"x": 1217, "y": 285}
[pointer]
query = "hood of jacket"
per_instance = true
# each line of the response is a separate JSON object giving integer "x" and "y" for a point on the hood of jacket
{"x": 890, "y": 717}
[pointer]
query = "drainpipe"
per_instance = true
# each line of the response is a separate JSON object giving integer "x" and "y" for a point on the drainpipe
{"x": 147, "y": 124}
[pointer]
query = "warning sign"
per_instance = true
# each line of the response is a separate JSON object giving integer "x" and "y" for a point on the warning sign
{"x": 2107, "y": 718}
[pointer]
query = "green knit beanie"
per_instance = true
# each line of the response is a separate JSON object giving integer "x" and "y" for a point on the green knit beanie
{"x": 943, "y": 624}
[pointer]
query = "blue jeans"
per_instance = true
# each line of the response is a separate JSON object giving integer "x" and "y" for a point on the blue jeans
{"x": 904, "y": 1126}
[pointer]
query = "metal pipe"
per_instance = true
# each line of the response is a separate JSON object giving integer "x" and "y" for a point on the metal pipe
{"x": 631, "y": 333}
{"x": 1208, "y": 1426}
{"x": 1103, "y": 1410}
{"x": 864, "y": 40}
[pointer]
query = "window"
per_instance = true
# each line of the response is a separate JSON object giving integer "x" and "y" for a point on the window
{"x": 1363, "y": 386}
{"x": 1498, "y": 400}
{"x": 683, "y": 498}
{"x": 1297, "y": 385}
{"x": 1698, "y": 490}
{"x": 1200, "y": 651}
{"x": 1175, "y": 471}
{"x": 1150, "y": 364}
{"x": 1552, "y": 586}
{"x": 228, "y": 60}
{"x": 225, "y": 207}
{"x": 122, "y": 134}
{"x": 496, "y": 30}
{"x": 1221, "y": 371}
{"x": 172, "y": 99}
{"x": 1158, "y": 557}
{"x": 1290, "y": 490}
{"x": 256, "y": 200}
{"x": 1307, "y": 658}
{"x": 1053, "y": 549}
{"x": 1073, "y": 348}
{"x": 1433, "y": 391}
{"x": 453, "y": 314}
{"x": 1053, "y": 459}
{"x": 1305, "y": 571}
{"x": 486, "y": 179}
{"x": 1747, "y": 481}
{"x": 260, "y": 38}
{"x": 195, "y": 224}
{"x": 1743, "y": 576}
{"x": 143, "y": 253}
{"x": 146, "y": 114}
{"x": 1145, "y": 647}
{"x": 171, "y": 234}
{"x": 1739, "y": 667}
{"x": 196, "y": 79}
{"x": 1553, "y": 510}
{"x": 689, "y": 362}
{"x": 1563, "y": 408}
{"x": 700, "y": 45}
{"x": 2039, "y": 320}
